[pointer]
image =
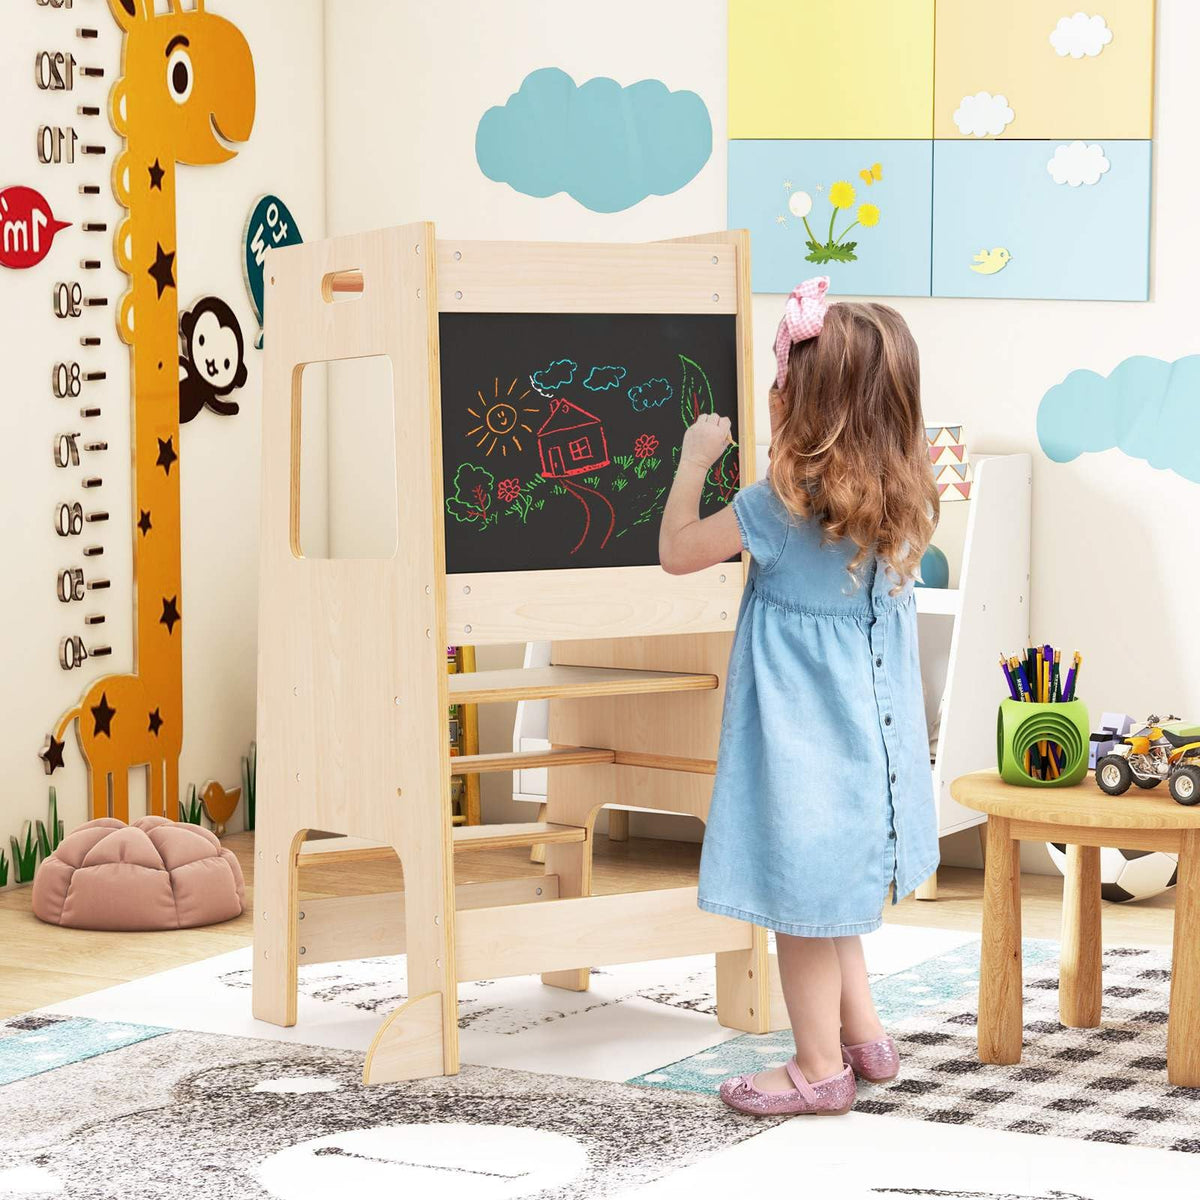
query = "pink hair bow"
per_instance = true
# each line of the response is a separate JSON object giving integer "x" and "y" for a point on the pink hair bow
{"x": 803, "y": 318}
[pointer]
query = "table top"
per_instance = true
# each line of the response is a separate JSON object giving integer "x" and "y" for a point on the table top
{"x": 1082, "y": 805}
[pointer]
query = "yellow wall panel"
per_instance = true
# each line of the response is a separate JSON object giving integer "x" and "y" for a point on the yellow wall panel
{"x": 1003, "y": 47}
{"x": 817, "y": 69}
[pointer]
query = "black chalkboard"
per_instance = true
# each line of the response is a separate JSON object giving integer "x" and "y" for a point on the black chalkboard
{"x": 561, "y": 432}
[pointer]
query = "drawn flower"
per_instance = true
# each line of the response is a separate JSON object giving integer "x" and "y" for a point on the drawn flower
{"x": 868, "y": 215}
{"x": 508, "y": 490}
{"x": 841, "y": 194}
{"x": 800, "y": 203}
{"x": 645, "y": 445}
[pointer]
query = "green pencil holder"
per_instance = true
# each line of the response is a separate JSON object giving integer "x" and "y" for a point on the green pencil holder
{"x": 1020, "y": 726}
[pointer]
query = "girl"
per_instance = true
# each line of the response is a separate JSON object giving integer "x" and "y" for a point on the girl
{"x": 823, "y": 797}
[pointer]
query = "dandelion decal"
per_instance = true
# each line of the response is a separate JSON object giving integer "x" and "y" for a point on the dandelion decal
{"x": 507, "y": 490}
{"x": 835, "y": 247}
{"x": 645, "y": 445}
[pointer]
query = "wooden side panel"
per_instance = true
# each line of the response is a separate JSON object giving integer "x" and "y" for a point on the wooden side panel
{"x": 351, "y": 652}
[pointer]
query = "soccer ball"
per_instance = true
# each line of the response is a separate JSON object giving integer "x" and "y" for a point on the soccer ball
{"x": 1127, "y": 875}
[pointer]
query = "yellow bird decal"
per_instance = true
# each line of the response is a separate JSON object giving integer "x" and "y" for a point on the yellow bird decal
{"x": 988, "y": 262}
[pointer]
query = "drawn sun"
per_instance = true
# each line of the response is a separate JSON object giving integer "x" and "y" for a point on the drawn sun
{"x": 501, "y": 420}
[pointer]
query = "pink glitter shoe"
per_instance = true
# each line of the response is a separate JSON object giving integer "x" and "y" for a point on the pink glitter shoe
{"x": 876, "y": 1062}
{"x": 827, "y": 1097}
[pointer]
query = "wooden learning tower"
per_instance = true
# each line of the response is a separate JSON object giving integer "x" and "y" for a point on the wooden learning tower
{"x": 353, "y": 689}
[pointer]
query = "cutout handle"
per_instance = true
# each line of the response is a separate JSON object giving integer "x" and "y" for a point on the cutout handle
{"x": 342, "y": 285}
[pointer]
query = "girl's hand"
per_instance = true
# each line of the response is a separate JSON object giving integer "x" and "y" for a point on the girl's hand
{"x": 705, "y": 441}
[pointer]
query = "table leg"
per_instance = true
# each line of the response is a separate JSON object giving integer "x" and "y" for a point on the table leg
{"x": 1183, "y": 1026}
{"x": 1080, "y": 983}
{"x": 1000, "y": 957}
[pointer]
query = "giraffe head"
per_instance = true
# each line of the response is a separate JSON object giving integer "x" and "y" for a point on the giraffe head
{"x": 194, "y": 71}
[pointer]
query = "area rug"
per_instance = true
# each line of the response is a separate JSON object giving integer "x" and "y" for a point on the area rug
{"x": 210, "y": 1117}
{"x": 1107, "y": 1084}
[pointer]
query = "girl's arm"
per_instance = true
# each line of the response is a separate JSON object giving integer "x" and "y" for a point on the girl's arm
{"x": 686, "y": 542}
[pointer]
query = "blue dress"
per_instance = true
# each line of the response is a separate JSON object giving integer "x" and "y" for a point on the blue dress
{"x": 823, "y": 794}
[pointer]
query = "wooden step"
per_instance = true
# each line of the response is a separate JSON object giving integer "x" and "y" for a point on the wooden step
{"x": 561, "y": 756}
{"x": 466, "y": 837}
{"x": 557, "y": 682}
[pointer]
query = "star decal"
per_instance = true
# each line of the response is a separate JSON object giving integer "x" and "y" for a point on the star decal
{"x": 166, "y": 456}
{"x": 163, "y": 270}
{"x": 787, "y": 185}
{"x": 103, "y": 714}
{"x": 156, "y": 175}
{"x": 781, "y": 219}
{"x": 51, "y": 754}
{"x": 143, "y": 522}
{"x": 170, "y": 614}
{"x": 156, "y": 722}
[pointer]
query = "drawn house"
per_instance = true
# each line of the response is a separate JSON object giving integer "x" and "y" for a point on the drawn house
{"x": 571, "y": 441}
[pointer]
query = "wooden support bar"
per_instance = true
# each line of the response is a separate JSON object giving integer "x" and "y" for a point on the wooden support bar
{"x": 627, "y": 927}
{"x": 557, "y": 682}
{"x": 466, "y": 837}
{"x": 339, "y": 928}
{"x": 665, "y": 762}
{"x": 562, "y": 756}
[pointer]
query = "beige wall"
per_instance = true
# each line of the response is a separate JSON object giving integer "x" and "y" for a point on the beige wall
{"x": 1112, "y": 574}
{"x": 220, "y": 456}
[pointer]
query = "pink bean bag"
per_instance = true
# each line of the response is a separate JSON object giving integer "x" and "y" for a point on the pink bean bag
{"x": 153, "y": 874}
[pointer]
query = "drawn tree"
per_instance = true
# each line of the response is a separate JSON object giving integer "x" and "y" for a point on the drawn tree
{"x": 471, "y": 503}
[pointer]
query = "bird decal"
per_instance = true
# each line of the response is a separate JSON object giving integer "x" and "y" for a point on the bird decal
{"x": 988, "y": 262}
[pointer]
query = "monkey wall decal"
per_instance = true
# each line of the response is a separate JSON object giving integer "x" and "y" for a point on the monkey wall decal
{"x": 212, "y": 362}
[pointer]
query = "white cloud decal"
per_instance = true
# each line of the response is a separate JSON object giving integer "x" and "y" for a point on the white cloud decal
{"x": 1080, "y": 35}
{"x": 1078, "y": 163}
{"x": 982, "y": 115}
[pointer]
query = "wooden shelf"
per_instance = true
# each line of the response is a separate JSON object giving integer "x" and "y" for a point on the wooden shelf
{"x": 466, "y": 837}
{"x": 558, "y": 682}
{"x": 563, "y": 756}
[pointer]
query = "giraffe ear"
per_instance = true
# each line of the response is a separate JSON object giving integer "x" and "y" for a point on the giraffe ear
{"x": 127, "y": 13}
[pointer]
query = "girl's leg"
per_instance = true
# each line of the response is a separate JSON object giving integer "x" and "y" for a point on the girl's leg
{"x": 860, "y": 1021}
{"x": 811, "y": 978}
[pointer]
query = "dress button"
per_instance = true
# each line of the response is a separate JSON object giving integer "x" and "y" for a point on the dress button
{"x": 888, "y": 719}
{"x": 878, "y": 661}
{"x": 891, "y": 835}
{"x": 892, "y": 777}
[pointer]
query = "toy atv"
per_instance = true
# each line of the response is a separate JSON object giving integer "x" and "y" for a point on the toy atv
{"x": 1151, "y": 755}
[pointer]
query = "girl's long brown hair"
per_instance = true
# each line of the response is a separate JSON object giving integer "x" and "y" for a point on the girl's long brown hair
{"x": 849, "y": 445}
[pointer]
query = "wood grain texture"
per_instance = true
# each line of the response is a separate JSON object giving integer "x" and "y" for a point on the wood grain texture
{"x": 541, "y": 277}
{"x": 1083, "y": 805}
{"x": 1000, "y": 1001}
{"x": 522, "y": 606}
{"x": 408, "y": 1044}
{"x": 1081, "y": 984}
{"x": 548, "y": 683}
{"x": 627, "y": 927}
{"x": 558, "y": 756}
{"x": 337, "y": 928}
{"x": 1183, "y": 1026}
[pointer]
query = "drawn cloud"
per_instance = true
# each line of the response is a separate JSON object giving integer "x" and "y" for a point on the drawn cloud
{"x": 606, "y": 146}
{"x": 983, "y": 115}
{"x": 1078, "y": 163}
{"x": 1079, "y": 35}
{"x": 600, "y": 379}
{"x": 654, "y": 393}
{"x": 557, "y": 375}
{"x": 1146, "y": 408}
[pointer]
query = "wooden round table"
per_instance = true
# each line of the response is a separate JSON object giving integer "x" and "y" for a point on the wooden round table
{"x": 1085, "y": 819}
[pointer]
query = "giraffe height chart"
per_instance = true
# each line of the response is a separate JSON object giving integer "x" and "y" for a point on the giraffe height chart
{"x": 186, "y": 94}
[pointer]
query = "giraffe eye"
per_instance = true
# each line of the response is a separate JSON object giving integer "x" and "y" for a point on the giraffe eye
{"x": 179, "y": 76}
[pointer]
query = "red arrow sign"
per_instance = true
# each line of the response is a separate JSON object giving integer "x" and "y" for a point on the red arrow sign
{"x": 27, "y": 227}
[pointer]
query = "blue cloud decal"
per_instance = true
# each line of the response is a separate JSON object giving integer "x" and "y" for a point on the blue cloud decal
{"x": 606, "y": 146}
{"x": 600, "y": 379}
{"x": 557, "y": 375}
{"x": 1147, "y": 408}
{"x": 654, "y": 393}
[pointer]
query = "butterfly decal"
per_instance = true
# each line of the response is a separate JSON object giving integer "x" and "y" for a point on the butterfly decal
{"x": 870, "y": 174}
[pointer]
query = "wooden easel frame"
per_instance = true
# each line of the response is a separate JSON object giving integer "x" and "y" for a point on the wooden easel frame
{"x": 352, "y": 684}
